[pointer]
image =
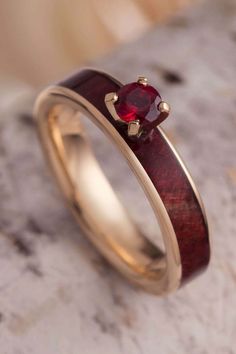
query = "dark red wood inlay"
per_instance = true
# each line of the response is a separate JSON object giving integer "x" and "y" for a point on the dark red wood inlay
{"x": 164, "y": 170}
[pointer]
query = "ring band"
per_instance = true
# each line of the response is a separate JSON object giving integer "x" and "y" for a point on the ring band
{"x": 155, "y": 163}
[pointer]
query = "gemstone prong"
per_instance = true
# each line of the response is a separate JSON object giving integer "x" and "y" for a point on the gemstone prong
{"x": 111, "y": 97}
{"x": 164, "y": 107}
{"x": 134, "y": 128}
{"x": 142, "y": 80}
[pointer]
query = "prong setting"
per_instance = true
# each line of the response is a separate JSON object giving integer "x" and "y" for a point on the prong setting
{"x": 134, "y": 128}
{"x": 111, "y": 97}
{"x": 125, "y": 106}
{"x": 164, "y": 107}
{"x": 142, "y": 80}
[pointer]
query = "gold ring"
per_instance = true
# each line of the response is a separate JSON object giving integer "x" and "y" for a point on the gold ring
{"x": 130, "y": 116}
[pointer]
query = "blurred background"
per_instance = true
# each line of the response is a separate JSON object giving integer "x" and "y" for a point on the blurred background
{"x": 41, "y": 40}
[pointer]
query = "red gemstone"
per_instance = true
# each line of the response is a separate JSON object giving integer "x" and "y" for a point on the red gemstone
{"x": 138, "y": 101}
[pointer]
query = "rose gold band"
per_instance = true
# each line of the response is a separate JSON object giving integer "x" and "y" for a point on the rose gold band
{"x": 95, "y": 205}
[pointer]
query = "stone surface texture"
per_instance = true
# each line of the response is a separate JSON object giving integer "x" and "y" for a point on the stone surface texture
{"x": 57, "y": 295}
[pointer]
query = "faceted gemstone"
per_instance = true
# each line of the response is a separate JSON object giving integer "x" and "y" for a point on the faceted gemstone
{"x": 138, "y": 101}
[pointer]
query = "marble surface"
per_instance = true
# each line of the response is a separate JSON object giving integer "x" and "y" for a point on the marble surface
{"x": 57, "y": 295}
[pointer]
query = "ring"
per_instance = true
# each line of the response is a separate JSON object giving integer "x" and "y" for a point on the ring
{"x": 130, "y": 116}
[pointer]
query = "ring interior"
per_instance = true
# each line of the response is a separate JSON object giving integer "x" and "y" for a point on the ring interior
{"x": 95, "y": 204}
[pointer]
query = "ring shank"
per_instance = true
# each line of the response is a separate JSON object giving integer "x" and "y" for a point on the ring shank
{"x": 103, "y": 212}
{"x": 93, "y": 201}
